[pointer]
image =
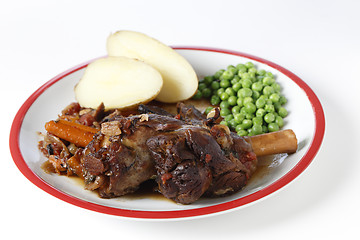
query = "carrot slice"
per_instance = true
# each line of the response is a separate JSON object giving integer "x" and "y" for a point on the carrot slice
{"x": 70, "y": 132}
{"x": 79, "y": 126}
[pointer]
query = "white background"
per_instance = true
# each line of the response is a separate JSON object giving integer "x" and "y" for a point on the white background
{"x": 319, "y": 41}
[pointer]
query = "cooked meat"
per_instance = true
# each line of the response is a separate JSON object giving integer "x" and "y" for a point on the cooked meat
{"x": 188, "y": 155}
{"x": 190, "y": 163}
{"x": 122, "y": 159}
{"x": 181, "y": 175}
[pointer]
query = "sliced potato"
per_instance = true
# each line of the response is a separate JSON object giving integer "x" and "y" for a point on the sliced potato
{"x": 118, "y": 82}
{"x": 180, "y": 79}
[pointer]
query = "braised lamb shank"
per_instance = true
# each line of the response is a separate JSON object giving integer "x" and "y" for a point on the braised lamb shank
{"x": 188, "y": 155}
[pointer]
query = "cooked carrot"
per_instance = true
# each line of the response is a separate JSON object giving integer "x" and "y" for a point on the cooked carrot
{"x": 70, "y": 133}
{"x": 74, "y": 164}
{"x": 79, "y": 126}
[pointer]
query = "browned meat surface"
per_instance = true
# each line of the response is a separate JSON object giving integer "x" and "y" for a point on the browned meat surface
{"x": 181, "y": 175}
{"x": 200, "y": 159}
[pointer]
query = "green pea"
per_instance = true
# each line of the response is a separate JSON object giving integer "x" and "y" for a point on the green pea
{"x": 282, "y": 112}
{"x": 265, "y": 97}
{"x": 248, "y": 99}
{"x": 255, "y": 95}
{"x": 224, "y": 104}
{"x": 273, "y": 127}
{"x": 236, "y": 79}
{"x": 257, "y": 120}
{"x": 242, "y": 133}
{"x": 269, "y": 108}
{"x": 231, "y": 67}
{"x": 282, "y": 100}
{"x": 206, "y": 92}
{"x": 249, "y": 64}
{"x": 240, "y": 101}
{"x": 197, "y": 95}
{"x": 269, "y": 118}
{"x": 241, "y": 71}
{"x": 215, "y": 85}
{"x": 218, "y": 74}
{"x": 215, "y": 100}
{"x": 246, "y": 83}
{"x": 224, "y": 83}
{"x": 259, "y": 78}
{"x": 274, "y": 97}
{"x": 269, "y": 74}
{"x": 245, "y": 92}
{"x": 256, "y": 129}
{"x": 279, "y": 121}
{"x": 239, "y": 117}
{"x": 249, "y": 116}
{"x": 260, "y": 112}
{"x": 268, "y": 81}
{"x": 252, "y": 76}
{"x": 232, "y": 100}
{"x": 208, "y": 109}
{"x": 227, "y": 75}
{"x": 228, "y": 117}
{"x": 257, "y": 86}
{"x": 224, "y": 96}
{"x": 265, "y": 129}
{"x": 239, "y": 127}
{"x": 241, "y": 66}
{"x": 252, "y": 70}
{"x": 232, "y": 123}
{"x": 277, "y": 106}
{"x": 268, "y": 90}
{"x": 220, "y": 91}
{"x": 224, "y": 112}
{"x": 223, "y": 122}
{"x": 276, "y": 87}
{"x": 230, "y": 91}
{"x": 250, "y": 107}
{"x": 247, "y": 123}
{"x": 208, "y": 80}
{"x": 235, "y": 110}
{"x": 260, "y": 102}
{"x": 202, "y": 86}
{"x": 237, "y": 86}
{"x": 261, "y": 72}
{"x": 244, "y": 75}
{"x": 243, "y": 111}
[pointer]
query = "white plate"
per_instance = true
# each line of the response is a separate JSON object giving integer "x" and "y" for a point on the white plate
{"x": 305, "y": 117}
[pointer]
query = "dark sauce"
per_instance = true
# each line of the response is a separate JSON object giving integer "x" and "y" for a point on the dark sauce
{"x": 47, "y": 167}
{"x": 147, "y": 190}
{"x": 266, "y": 165}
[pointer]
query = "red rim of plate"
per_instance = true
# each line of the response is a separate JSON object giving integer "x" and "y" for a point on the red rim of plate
{"x": 291, "y": 175}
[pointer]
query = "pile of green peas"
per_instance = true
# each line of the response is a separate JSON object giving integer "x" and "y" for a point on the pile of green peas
{"x": 250, "y": 100}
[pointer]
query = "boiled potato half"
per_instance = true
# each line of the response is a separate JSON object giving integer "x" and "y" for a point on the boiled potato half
{"x": 118, "y": 82}
{"x": 180, "y": 79}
